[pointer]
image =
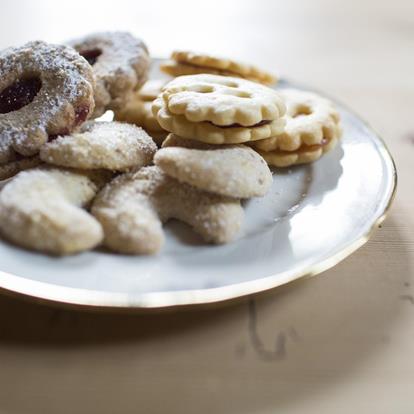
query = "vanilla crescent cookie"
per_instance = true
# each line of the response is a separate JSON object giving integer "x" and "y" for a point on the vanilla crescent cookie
{"x": 229, "y": 170}
{"x": 120, "y": 62}
{"x": 133, "y": 206}
{"x": 101, "y": 145}
{"x": 189, "y": 63}
{"x": 312, "y": 128}
{"x": 41, "y": 210}
{"x": 138, "y": 110}
{"x": 20, "y": 164}
{"x": 219, "y": 110}
{"x": 45, "y": 90}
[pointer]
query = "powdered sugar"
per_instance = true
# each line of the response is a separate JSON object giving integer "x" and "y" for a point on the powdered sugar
{"x": 67, "y": 88}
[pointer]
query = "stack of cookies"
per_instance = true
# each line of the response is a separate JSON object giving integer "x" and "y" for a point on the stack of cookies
{"x": 285, "y": 126}
{"x": 91, "y": 183}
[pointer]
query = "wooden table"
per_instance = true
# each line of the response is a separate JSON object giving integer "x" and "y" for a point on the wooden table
{"x": 338, "y": 343}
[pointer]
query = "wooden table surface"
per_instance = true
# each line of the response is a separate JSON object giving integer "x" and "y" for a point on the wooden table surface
{"x": 338, "y": 343}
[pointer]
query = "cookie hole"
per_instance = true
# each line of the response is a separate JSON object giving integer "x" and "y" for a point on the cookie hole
{"x": 229, "y": 84}
{"x": 302, "y": 110}
{"x": 91, "y": 55}
{"x": 19, "y": 94}
{"x": 237, "y": 92}
{"x": 243, "y": 94}
{"x": 203, "y": 88}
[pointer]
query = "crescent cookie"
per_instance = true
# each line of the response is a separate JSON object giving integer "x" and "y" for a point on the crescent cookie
{"x": 230, "y": 170}
{"x": 312, "y": 129}
{"x": 138, "y": 110}
{"x": 120, "y": 62}
{"x": 219, "y": 110}
{"x": 133, "y": 207}
{"x": 45, "y": 90}
{"x": 101, "y": 145}
{"x": 189, "y": 63}
{"x": 41, "y": 210}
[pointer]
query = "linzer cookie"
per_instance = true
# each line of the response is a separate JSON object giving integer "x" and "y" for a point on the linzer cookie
{"x": 45, "y": 90}
{"x": 120, "y": 62}
{"x": 219, "y": 110}
{"x": 312, "y": 129}
{"x": 138, "y": 110}
{"x": 190, "y": 63}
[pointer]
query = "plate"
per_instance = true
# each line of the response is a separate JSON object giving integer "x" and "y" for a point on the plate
{"x": 313, "y": 217}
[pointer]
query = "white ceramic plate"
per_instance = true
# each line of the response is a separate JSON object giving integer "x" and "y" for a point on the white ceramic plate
{"x": 312, "y": 218}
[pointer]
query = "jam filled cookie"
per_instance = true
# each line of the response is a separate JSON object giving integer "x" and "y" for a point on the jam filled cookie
{"x": 41, "y": 210}
{"x": 45, "y": 90}
{"x": 312, "y": 129}
{"x": 190, "y": 63}
{"x": 219, "y": 110}
{"x": 138, "y": 110}
{"x": 102, "y": 145}
{"x": 120, "y": 62}
{"x": 229, "y": 170}
{"x": 132, "y": 208}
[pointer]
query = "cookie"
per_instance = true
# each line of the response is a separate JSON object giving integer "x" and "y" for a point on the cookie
{"x": 312, "y": 128}
{"x": 20, "y": 164}
{"x": 138, "y": 110}
{"x": 120, "y": 62}
{"x": 190, "y": 63}
{"x": 139, "y": 113}
{"x": 310, "y": 119}
{"x": 151, "y": 89}
{"x": 45, "y": 90}
{"x": 219, "y": 110}
{"x": 41, "y": 210}
{"x": 101, "y": 145}
{"x": 230, "y": 170}
{"x": 305, "y": 154}
{"x": 133, "y": 206}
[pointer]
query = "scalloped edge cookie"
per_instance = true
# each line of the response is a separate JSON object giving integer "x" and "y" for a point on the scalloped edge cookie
{"x": 188, "y": 63}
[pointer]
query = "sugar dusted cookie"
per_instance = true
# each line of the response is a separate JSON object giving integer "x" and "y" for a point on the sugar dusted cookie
{"x": 229, "y": 170}
{"x": 108, "y": 145}
{"x": 19, "y": 164}
{"x": 219, "y": 110}
{"x": 190, "y": 63}
{"x": 120, "y": 62}
{"x": 45, "y": 90}
{"x": 132, "y": 208}
{"x": 41, "y": 210}
{"x": 312, "y": 128}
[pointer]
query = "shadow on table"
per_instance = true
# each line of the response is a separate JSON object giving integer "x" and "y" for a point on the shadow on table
{"x": 271, "y": 353}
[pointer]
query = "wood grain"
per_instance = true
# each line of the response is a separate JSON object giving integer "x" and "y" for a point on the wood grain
{"x": 338, "y": 343}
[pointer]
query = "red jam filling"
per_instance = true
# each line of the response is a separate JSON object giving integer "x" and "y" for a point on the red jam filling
{"x": 91, "y": 55}
{"x": 19, "y": 94}
{"x": 81, "y": 114}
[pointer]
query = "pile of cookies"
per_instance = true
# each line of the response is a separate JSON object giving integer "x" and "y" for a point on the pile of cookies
{"x": 190, "y": 148}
